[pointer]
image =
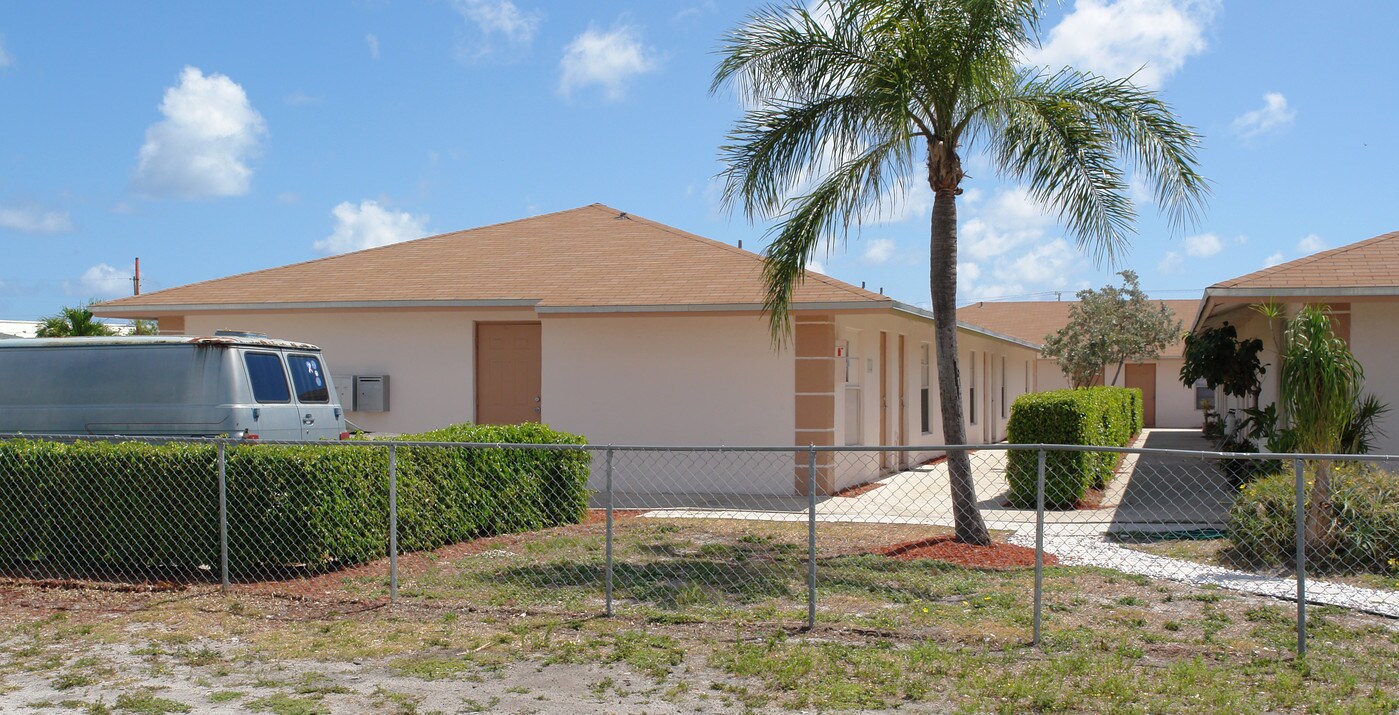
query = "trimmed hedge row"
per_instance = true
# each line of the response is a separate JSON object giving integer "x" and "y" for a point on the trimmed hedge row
{"x": 1097, "y": 416}
{"x": 1365, "y": 536}
{"x": 89, "y": 508}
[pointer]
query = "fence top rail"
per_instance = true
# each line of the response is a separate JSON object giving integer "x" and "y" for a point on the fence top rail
{"x": 999, "y": 447}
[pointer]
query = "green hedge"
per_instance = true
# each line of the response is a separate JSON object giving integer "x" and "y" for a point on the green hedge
{"x": 1365, "y": 502}
{"x": 95, "y": 508}
{"x": 1098, "y": 416}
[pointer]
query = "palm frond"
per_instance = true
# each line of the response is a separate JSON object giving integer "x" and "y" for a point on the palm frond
{"x": 831, "y": 208}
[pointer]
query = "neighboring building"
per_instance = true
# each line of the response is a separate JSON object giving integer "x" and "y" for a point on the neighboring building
{"x": 1166, "y": 402}
{"x": 616, "y": 327}
{"x": 19, "y": 328}
{"x": 1358, "y": 283}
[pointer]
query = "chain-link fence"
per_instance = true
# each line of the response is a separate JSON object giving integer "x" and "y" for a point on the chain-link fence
{"x": 773, "y": 534}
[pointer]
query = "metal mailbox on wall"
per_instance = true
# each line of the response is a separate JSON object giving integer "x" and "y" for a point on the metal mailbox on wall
{"x": 371, "y": 393}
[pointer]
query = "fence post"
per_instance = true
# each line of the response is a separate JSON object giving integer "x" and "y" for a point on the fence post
{"x": 223, "y": 519}
{"x": 811, "y": 538}
{"x": 607, "y": 485}
{"x": 1039, "y": 547}
{"x": 1301, "y": 519}
{"x": 393, "y": 523}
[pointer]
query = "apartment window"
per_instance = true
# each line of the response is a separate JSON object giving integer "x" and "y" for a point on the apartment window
{"x": 971, "y": 398}
{"x": 1003, "y": 387}
{"x": 925, "y": 374}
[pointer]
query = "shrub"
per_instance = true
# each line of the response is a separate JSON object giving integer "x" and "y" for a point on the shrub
{"x": 1365, "y": 504}
{"x": 87, "y": 507}
{"x": 1098, "y": 416}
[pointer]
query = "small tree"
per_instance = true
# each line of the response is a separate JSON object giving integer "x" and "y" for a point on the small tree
{"x": 1111, "y": 326}
{"x": 72, "y": 322}
{"x": 1225, "y": 363}
{"x": 1321, "y": 383}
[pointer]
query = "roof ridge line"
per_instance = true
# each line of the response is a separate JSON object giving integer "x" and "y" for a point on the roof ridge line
{"x": 832, "y": 282}
{"x": 134, "y": 299}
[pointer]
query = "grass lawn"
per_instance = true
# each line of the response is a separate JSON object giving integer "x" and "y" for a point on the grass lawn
{"x": 709, "y": 617}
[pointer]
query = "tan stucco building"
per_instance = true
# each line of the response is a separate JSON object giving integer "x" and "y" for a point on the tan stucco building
{"x": 1358, "y": 283}
{"x": 622, "y": 329}
{"x": 1166, "y": 402}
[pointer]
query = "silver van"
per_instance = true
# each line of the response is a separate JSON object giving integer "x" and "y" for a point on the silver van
{"x": 236, "y": 385}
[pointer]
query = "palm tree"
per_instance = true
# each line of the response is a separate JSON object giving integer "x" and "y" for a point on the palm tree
{"x": 844, "y": 102}
{"x": 1320, "y": 386}
{"x": 72, "y": 323}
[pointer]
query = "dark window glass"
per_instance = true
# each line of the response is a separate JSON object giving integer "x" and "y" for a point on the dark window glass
{"x": 308, "y": 377}
{"x": 268, "y": 378}
{"x": 927, "y": 422}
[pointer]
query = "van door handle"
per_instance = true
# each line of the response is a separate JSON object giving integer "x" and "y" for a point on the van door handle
{"x": 308, "y": 420}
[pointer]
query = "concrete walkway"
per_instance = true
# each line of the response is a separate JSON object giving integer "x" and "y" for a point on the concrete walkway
{"x": 1153, "y": 493}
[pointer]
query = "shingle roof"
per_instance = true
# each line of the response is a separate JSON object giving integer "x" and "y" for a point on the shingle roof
{"x": 1033, "y": 320}
{"x": 584, "y": 257}
{"x": 1372, "y": 263}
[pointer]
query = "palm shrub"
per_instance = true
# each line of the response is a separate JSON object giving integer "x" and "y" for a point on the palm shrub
{"x": 1365, "y": 526}
{"x": 1320, "y": 386}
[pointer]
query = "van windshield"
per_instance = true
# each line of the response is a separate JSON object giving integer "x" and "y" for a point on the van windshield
{"x": 306, "y": 373}
{"x": 268, "y": 378}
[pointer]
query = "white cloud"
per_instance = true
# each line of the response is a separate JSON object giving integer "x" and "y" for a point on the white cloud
{"x": 35, "y": 221}
{"x": 1172, "y": 262}
{"x": 608, "y": 59}
{"x": 5, "y": 59}
{"x": 300, "y": 98}
{"x": 369, "y": 225}
{"x": 815, "y": 267}
{"x": 499, "y": 29}
{"x": 1203, "y": 245}
{"x": 1274, "y": 114}
{"x": 1273, "y": 260}
{"x": 372, "y": 41}
{"x": 1008, "y": 221}
{"x": 1150, "y": 39}
{"x": 1311, "y": 243}
{"x": 880, "y": 250}
{"x": 202, "y": 146}
{"x": 1010, "y": 247}
{"x": 104, "y": 281}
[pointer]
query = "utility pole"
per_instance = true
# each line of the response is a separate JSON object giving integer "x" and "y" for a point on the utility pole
{"x": 136, "y": 278}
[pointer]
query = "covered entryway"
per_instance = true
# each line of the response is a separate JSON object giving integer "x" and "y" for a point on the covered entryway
{"x": 1143, "y": 377}
{"x": 508, "y": 368}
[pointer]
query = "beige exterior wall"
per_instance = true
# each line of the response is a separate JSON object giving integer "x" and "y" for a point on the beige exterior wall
{"x": 858, "y": 402}
{"x": 664, "y": 380}
{"x": 427, "y": 354}
{"x": 1374, "y": 339}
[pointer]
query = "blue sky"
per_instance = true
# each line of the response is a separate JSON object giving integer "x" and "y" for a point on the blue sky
{"x": 211, "y": 139}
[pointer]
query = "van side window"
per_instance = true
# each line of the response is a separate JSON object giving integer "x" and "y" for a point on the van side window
{"x": 309, "y": 378}
{"x": 268, "y": 378}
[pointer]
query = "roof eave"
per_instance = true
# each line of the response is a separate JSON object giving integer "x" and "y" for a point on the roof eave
{"x": 917, "y": 312}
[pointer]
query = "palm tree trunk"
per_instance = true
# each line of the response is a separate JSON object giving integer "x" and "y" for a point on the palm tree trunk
{"x": 970, "y": 528}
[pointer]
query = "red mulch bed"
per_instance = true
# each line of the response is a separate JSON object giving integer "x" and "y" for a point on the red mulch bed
{"x": 996, "y": 557}
{"x": 858, "y": 489}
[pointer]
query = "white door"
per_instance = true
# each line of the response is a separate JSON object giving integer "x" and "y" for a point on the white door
{"x": 276, "y": 416}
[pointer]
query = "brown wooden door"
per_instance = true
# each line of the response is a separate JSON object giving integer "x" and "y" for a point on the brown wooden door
{"x": 508, "y": 364}
{"x": 1143, "y": 377}
{"x": 883, "y": 398}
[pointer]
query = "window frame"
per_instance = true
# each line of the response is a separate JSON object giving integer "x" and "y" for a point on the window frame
{"x": 971, "y": 386}
{"x": 320, "y": 367}
{"x": 252, "y": 382}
